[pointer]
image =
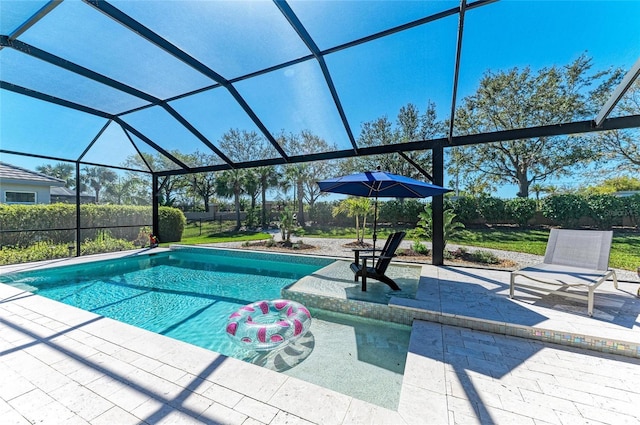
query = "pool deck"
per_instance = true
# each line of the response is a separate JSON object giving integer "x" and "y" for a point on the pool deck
{"x": 60, "y": 364}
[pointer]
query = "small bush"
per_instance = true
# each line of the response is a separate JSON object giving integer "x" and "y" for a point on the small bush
{"x": 172, "y": 222}
{"x": 484, "y": 257}
{"x": 396, "y": 212}
{"x": 631, "y": 206}
{"x": 520, "y": 210}
{"x": 420, "y": 248}
{"x": 44, "y": 250}
{"x": 606, "y": 210}
{"x": 492, "y": 209}
{"x": 105, "y": 243}
{"x": 466, "y": 208}
{"x": 566, "y": 209}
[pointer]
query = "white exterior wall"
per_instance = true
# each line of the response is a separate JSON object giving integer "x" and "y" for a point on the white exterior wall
{"x": 42, "y": 192}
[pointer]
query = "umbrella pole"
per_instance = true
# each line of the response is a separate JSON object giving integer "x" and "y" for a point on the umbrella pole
{"x": 375, "y": 227}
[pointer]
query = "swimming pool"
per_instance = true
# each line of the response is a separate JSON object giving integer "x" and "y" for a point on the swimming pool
{"x": 189, "y": 293}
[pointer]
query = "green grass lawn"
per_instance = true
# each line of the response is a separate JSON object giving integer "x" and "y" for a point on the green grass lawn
{"x": 625, "y": 251}
{"x": 214, "y": 232}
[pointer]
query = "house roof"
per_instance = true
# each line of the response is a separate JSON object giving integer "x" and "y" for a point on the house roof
{"x": 65, "y": 191}
{"x": 14, "y": 174}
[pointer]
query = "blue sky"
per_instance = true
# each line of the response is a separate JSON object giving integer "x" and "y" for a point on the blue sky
{"x": 372, "y": 79}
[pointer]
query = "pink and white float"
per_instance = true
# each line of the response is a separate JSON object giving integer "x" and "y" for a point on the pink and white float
{"x": 267, "y": 325}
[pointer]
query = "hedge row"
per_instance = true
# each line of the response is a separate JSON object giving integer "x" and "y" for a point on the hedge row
{"x": 568, "y": 210}
{"x": 23, "y": 225}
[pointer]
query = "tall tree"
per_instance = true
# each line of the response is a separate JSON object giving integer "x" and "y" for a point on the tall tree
{"x": 523, "y": 98}
{"x": 304, "y": 176}
{"x": 203, "y": 184}
{"x": 61, "y": 170}
{"x": 410, "y": 126}
{"x": 268, "y": 178}
{"x": 622, "y": 147}
{"x": 242, "y": 145}
{"x": 170, "y": 187}
{"x": 229, "y": 184}
{"x": 252, "y": 185}
{"x": 128, "y": 190}
{"x": 98, "y": 178}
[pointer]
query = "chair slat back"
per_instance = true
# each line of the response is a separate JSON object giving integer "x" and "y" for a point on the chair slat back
{"x": 390, "y": 247}
{"x": 587, "y": 249}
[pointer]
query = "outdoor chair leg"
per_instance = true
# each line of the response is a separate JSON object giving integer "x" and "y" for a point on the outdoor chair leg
{"x": 590, "y": 301}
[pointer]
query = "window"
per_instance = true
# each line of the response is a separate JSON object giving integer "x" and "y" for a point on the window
{"x": 20, "y": 197}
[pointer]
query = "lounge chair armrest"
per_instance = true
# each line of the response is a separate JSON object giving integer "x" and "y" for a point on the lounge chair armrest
{"x": 365, "y": 249}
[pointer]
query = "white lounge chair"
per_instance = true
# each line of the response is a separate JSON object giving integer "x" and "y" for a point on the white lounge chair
{"x": 573, "y": 259}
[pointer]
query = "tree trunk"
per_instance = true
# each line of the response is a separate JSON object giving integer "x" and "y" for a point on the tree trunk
{"x": 301, "y": 220}
{"x": 236, "y": 195}
{"x": 523, "y": 186}
{"x": 264, "y": 203}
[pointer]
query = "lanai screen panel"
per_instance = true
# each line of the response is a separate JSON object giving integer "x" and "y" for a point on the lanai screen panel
{"x": 533, "y": 37}
{"x": 180, "y": 76}
{"x": 378, "y": 78}
{"x": 33, "y": 126}
{"x": 88, "y": 38}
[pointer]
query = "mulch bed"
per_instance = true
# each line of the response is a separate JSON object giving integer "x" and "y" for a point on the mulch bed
{"x": 282, "y": 246}
{"x": 458, "y": 257}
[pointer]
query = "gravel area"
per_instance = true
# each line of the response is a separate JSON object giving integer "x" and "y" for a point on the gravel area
{"x": 336, "y": 248}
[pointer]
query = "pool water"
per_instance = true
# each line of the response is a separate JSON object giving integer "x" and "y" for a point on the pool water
{"x": 188, "y": 294}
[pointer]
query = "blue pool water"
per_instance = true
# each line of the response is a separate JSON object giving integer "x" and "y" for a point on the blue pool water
{"x": 184, "y": 294}
{"x": 189, "y": 293}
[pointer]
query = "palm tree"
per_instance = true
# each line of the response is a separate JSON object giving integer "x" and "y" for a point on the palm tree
{"x": 268, "y": 178}
{"x": 60, "y": 170}
{"x": 355, "y": 207}
{"x": 98, "y": 178}
{"x": 537, "y": 188}
{"x": 229, "y": 184}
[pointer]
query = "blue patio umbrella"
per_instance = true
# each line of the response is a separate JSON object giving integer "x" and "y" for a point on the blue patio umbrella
{"x": 380, "y": 184}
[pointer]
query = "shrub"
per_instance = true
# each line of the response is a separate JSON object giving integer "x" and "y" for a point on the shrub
{"x": 395, "y": 211}
{"x": 492, "y": 209}
{"x": 104, "y": 243}
{"x": 43, "y": 250}
{"x": 484, "y": 257}
{"x": 172, "y": 222}
{"x": 390, "y": 212}
{"x": 450, "y": 224}
{"x": 631, "y": 207}
{"x": 606, "y": 210}
{"x": 521, "y": 210}
{"x": 420, "y": 248}
{"x": 32, "y": 223}
{"x": 466, "y": 208}
{"x": 322, "y": 214}
{"x": 252, "y": 218}
{"x": 566, "y": 209}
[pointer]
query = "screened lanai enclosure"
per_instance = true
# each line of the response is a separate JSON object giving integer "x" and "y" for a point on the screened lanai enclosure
{"x": 136, "y": 92}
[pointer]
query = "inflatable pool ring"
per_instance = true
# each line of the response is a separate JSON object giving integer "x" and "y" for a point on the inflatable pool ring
{"x": 266, "y": 325}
